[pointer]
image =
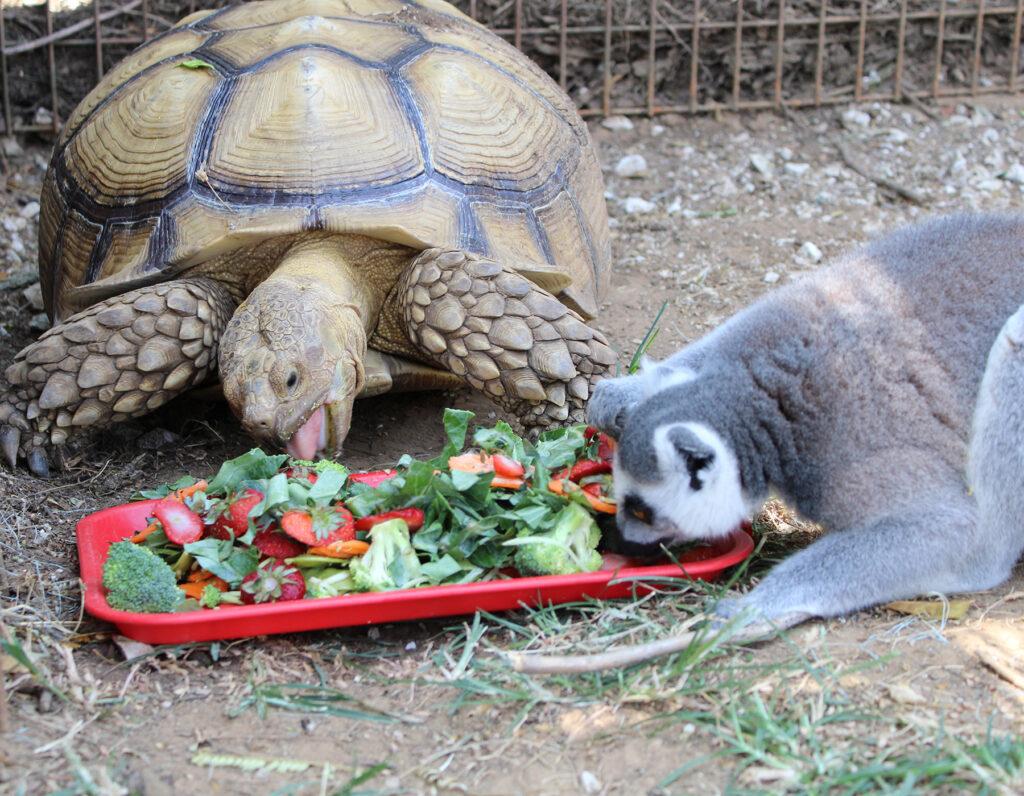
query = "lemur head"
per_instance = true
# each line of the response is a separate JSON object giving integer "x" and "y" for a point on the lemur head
{"x": 675, "y": 480}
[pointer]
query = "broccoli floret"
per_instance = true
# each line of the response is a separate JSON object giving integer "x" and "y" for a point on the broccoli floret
{"x": 137, "y": 579}
{"x": 319, "y": 466}
{"x": 390, "y": 563}
{"x": 329, "y": 583}
{"x": 569, "y": 547}
{"x": 212, "y": 597}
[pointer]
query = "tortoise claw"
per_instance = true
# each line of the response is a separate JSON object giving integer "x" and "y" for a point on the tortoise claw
{"x": 10, "y": 438}
{"x": 37, "y": 463}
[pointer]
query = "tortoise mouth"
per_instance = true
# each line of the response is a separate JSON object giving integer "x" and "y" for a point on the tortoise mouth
{"x": 322, "y": 434}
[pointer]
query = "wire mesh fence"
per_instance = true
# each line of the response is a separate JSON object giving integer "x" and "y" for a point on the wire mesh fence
{"x": 612, "y": 56}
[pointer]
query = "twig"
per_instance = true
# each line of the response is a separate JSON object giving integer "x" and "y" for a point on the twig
{"x": 638, "y": 653}
{"x": 3, "y": 691}
{"x": 884, "y": 182}
{"x": 928, "y": 111}
{"x": 70, "y": 30}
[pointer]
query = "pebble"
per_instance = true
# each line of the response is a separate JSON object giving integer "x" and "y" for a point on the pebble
{"x": 589, "y": 782}
{"x": 31, "y": 210}
{"x": 990, "y": 184}
{"x": 14, "y": 223}
{"x": 631, "y": 166}
{"x": 657, "y": 129}
{"x": 771, "y": 277}
{"x": 856, "y": 118}
{"x": 635, "y": 205}
{"x": 810, "y": 252}
{"x": 1015, "y": 174}
{"x": 762, "y": 164}
{"x": 797, "y": 169}
{"x": 676, "y": 207}
{"x": 895, "y": 136}
{"x": 33, "y": 294}
{"x": 617, "y": 123}
{"x": 39, "y": 322}
{"x": 11, "y": 147}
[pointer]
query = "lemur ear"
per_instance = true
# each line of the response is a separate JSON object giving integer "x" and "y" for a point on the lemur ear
{"x": 696, "y": 455}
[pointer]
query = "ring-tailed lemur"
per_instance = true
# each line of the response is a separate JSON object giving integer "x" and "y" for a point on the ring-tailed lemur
{"x": 882, "y": 396}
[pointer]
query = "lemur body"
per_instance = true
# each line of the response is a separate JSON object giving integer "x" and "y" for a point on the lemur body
{"x": 859, "y": 394}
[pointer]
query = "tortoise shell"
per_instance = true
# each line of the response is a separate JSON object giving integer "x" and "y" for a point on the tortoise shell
{"x": 405, "y": 121}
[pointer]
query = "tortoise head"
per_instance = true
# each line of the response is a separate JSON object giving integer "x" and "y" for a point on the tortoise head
{"x": 291, "y": 367}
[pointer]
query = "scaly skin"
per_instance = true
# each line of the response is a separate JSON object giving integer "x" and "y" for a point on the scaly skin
{"x": 120, "y": 358}
{"x": 501, "y": 333}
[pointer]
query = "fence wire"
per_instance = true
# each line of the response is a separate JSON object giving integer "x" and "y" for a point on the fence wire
{"x": 612, "y": 56}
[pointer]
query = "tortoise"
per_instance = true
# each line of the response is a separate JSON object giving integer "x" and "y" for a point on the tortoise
{"x": 315, "y": 200}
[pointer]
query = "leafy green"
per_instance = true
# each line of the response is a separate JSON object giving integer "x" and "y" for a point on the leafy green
{"x": 225, "y": 560}
{"x": 196, "y": 63}
{"x": 163, "y": 490}
{"x": 252, "y": 466}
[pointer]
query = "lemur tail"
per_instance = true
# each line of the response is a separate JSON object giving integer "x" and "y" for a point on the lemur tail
{"x": 995, "y": 466}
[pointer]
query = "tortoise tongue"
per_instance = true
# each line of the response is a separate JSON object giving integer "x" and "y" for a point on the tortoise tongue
{"x": 310, "y": 437}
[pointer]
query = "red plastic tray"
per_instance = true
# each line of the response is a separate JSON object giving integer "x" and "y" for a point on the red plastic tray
{"x": 98, "y": 531}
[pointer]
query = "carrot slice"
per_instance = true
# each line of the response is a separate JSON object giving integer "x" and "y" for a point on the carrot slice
{"x": 189, "y": 491}
{"x": 200, "y": 576}
{"x": 142, "y": 535}
{"x": 501, "y": 482}
{"x": 344, "y": 549}
{"x": 558, "y": 486}
{"x": 471, "y": 463}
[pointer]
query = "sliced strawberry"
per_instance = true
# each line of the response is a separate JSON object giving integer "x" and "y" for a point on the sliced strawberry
{"x": 374, "y": 478}
{"x": 234, "y": 522}
{"x": 605, "y": 444}
{"x": 413, "y": 518}
{"x": 180, "y": 523}
{"x": 320, "y": 525}
{"x": 272, "y": 581}
{"x": 588, "y": 467}
{"x": 507, "y": 467}
{"x": 274, "y": 544}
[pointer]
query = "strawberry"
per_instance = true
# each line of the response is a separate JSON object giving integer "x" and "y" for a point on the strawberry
{"x": 300, "y": 473}
{"x": 320, "y": 525}
{"x": 507, "y": 467}
{"x": 271, "y": 582}
{"x": 273, "y": 544}
{"x": 413, "y": 518}
{"x": 234, "y": 521}
{"x": 374, "y": 478}
{"x": 585, "y": 468}
{"x": 180, "y": 523}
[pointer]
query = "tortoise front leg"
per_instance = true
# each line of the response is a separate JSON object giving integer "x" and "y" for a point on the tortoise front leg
{"x": 504, "y": 335}
{"x": 120, "y": 358}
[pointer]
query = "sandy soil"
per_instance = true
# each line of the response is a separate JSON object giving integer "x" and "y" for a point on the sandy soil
{"x": 733, "y": 204}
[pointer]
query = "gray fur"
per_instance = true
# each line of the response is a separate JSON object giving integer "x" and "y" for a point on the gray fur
{"x": 852, "y": 393}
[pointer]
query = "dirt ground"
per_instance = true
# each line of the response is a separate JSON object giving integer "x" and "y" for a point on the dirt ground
{"x": 724, "y": 209}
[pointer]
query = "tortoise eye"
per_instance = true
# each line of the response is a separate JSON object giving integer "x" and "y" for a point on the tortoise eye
{"x": 293, "y": 379}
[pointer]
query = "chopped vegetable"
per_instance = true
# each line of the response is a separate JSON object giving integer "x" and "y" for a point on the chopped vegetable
{"x": 273, "y": 581}
{"x": 329, "y": 583}
{"x": 234, "y": 521}
{"x": 319, "y": 525}
{"x": 570, "y": 547}
{"x": 136, "y": 579}
{"x": 346, "y": 548}
{"x": 391, "y": 561}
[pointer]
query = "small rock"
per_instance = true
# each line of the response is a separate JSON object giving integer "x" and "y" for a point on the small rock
{"x": 797, "y": 169}
{"x": 897, "y": 137}
{"x": 11, "y": 147}
{"x": 990, "y": 185}
{"x": 990, "y": 136}
{"x": 676, "y": 207}
{"x": 810, "y": 252}
{"x": 14, "y": 223}
{"x": 635, "y": 205}
{"x": 856, "y": 118}
{"x": 1015, "y": 174}
{"x": 784, "y": 153}
{"x": 657, "y": 129}
{"x": 631, "y": 166}
{"x": 617, "y": 123}
{"x": 16, "y": 245}
{"x": 771, "y": 277}
{"x": 157, "y": 439}
{"x": 727, "y": 187}
{"x": 42, "y": 116}
{"x": 31, "y": 210}
{"x": 762, "y": 164}
{"x": 34, "y": 296}
{"x": 665, "y": 273}
{"x": 589, "y": 782}
{"x": 39, "y": 322}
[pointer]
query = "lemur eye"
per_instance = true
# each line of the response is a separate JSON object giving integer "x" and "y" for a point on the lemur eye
{"x": 637, "y": 509}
